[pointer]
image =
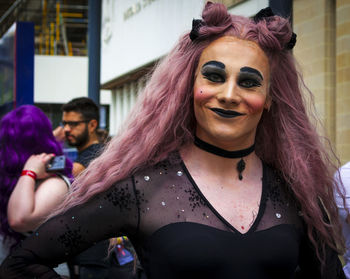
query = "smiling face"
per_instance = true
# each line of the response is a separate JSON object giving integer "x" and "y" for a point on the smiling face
{"x": 230, "y": 92}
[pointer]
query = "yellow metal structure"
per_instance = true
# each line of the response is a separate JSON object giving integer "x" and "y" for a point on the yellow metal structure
{"x": 57, "y": 21}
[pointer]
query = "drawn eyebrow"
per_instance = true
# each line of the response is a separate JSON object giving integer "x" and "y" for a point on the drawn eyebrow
{"x": 251, "y": 71}
{"x": 215, "y": 64}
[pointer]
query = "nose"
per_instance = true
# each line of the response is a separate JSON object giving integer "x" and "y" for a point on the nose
{"x": 230, "y": 94}
{"x": 66, "y": 128}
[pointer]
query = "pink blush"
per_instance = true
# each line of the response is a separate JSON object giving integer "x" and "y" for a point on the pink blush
{"x": 255, "y": 103}
{"x": 200, "y": 94}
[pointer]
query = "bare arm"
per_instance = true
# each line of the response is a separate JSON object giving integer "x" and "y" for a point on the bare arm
{"x": 28, "y": 206}
{"x": 68, "y": 234}
{"x": 77, "y": 169}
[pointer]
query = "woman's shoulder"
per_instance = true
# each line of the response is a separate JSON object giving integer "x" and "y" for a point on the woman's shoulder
{"x": 64, "y": 178}
{"x": 56, "y": 181}
{"x": 276, "y": 176}
{"x": 169, "y": 165}
{"x": 277, "y": 184}
{"x": 273, "y": 175}
{"x": 281, "y": 204}
{"x": 151, "y": 177}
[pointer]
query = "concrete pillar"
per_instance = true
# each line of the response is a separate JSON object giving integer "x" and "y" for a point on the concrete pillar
{"x": 125, "y": 101}
{"x": 343, "y": 79}
{"x": 133, "y": 93}
{"x": 94, "y": 50}
{"x": 113, "y": 113}
{"x": 314, "y": 24}
{"x": 119, "y": 109}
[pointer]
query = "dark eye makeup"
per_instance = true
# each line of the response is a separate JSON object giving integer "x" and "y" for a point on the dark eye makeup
{"x": 248, "y": 80}
{"x": 214, "y": 71}
{"x": 249, "y": 77}
{"x": 251, "y": 71}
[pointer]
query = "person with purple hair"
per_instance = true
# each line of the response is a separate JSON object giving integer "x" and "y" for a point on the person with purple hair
{"x": 219, "y": 172}
{"x": 28, "y": 193}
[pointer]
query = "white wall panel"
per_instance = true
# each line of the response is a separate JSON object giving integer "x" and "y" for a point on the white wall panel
{"x": 249, "y": 7}
{"x": 150, "y": 31}
{"x": 113, "y": 114}
{"x": 58, "y": 79}
{"x": 119, "y": 112}
{"x": 105, "y": 97}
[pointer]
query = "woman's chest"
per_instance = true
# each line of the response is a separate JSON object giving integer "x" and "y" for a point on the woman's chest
{"x": 236, "y": 202}
{"x": 188, "y": 249}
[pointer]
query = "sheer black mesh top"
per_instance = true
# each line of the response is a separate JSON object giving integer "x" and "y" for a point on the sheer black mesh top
{"x": 177, "y": 233}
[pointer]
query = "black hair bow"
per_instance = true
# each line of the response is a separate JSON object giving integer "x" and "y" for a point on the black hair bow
{"x": 196, "y": 24}
{"x": 292, "y": 41}
{"x": 267, "y": 12}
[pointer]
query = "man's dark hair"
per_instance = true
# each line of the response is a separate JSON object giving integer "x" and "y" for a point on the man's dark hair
{"x": 85, "y": 106}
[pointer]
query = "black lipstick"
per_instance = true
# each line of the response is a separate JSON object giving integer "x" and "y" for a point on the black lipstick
{"x": 226, "y": 113}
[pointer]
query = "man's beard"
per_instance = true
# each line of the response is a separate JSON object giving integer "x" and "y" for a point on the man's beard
{"x": 80, "y": 140}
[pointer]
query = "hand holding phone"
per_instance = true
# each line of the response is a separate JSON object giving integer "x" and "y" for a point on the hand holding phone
{"x": 57, "y": 163}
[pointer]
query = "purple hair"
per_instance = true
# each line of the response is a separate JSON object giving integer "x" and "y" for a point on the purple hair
{"x": 163, "y": 121}
{"x": 23, "y": 132}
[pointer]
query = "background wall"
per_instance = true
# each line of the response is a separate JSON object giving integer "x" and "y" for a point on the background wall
{"x": 343, "y": 79}
{"x": 58, "y": 79}
{"x": 323, "y": 51}
{"x": 245, "y": 8}
{"x": 135, "y": 33}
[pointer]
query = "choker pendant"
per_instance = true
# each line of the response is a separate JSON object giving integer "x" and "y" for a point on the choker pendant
{"x": 226, "y": 154}
{"x": 240, "y": 168}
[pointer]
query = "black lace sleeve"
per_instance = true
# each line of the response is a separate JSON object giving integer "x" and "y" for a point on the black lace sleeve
{"x": 311, "y": 267}
{"x": 108, "y": 214}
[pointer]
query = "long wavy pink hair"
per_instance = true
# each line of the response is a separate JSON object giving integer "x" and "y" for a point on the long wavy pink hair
{"x": 163, "y": 121}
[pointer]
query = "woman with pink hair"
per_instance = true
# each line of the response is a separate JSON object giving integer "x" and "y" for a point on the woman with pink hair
{"x": 219, "y": 172}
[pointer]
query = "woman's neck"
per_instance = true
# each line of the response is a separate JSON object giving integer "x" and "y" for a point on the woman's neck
{"x": 229, "y": 144}
{"x": 216, "y": 150}
{"x": 218, "y": 165}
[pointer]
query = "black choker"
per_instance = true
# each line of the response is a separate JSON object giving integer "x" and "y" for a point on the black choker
{"x": 227, "y": 154}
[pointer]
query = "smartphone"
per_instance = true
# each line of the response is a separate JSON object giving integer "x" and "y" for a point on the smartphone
{"x": 57, "y": 163}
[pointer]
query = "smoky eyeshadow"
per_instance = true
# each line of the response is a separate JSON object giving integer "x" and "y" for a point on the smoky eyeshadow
{"x": 252, "y": 72}
{"x": 214, "y": 71}
{"x": 253, "y": 79}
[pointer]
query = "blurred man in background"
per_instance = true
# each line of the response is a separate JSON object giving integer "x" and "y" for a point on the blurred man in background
{"x": 80, "y": 122}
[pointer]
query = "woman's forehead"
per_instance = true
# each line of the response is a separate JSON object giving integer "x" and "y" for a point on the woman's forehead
{"x": 235, "y": 53}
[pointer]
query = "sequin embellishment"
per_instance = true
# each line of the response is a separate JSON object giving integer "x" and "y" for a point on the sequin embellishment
{"x": 72, "y": 238}
{"x": 195, "y": 199}
{"x": 121, "y": 197}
